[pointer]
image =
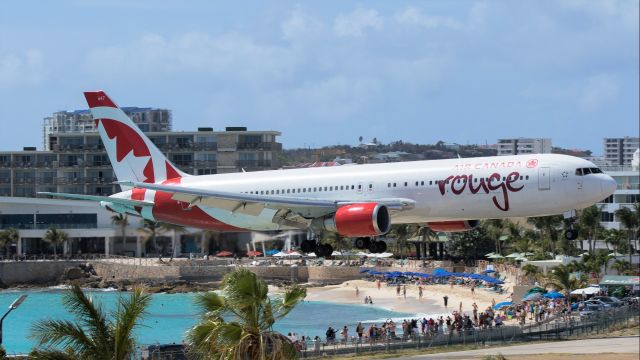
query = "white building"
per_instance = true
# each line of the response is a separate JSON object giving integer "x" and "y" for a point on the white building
{"x": 521, "y": 146}
{"x": 619, "y": 151}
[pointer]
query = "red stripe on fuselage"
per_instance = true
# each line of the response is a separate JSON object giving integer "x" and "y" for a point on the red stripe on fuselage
{"x": 176, "y": 212}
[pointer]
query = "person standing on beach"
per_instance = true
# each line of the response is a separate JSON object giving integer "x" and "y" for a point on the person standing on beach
{"x": 378, "y": 284}
{"x": 357, "y": 291}
{"x": 345, "y": 334}
{"x": 446, "y": 300}
{"x": 398, "y": 290}
{"x": 461, "y": 307}
{"x": 360, "y": 330}
{"x": 475, "y": 313}
{"x": 404, "y": 292}
{"x": 420, "y": 292}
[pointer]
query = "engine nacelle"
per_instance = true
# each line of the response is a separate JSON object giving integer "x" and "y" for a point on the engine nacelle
{"x": 366, "y": 219}
{"x": 454, "y": 226}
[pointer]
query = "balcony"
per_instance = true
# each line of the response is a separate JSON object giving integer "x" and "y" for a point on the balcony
{"x": 253, "y": 163}
{"x": 205, "y": 146}
{"x": 257, "y": 146}
{"x": 205, "y": 164}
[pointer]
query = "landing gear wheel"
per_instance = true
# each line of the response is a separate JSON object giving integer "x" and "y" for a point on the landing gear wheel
{"x": 373, "y": 247}
{"x": 308, "y": 246}
{"x": 382, "y": 247}
{"x": 362, "y": 243}
{"x": 571, "y": 234}
{"x": 323, "y": 250}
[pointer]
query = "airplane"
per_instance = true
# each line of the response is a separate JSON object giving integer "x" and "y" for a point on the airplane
{"x": 358, "y": 201}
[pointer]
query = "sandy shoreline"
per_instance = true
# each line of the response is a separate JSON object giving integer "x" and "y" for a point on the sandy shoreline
{"x": 431, "y": 303}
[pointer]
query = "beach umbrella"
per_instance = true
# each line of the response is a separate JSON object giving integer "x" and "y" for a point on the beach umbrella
{"x": 536, "y": 289}
{"x": 514, "y": 255}
{"x": 362, "y": 271}
{"x": 311, "y": 255}
{"x": 360, "y": 253}
{"x": 224, "y": 253}
{"x": 488, "y": 271}
{"x": 591, "y": 290}
{"x": 489, "y": 254}
{"x": 615, "y": 254}
{"x": 336, "y": 253}
{"x": 500, "y": 305}
{"x": 495, "y": 256}
{"x": 424, "y": 275}
{"x": 254, "y": 253}
{"x": 532, "y": 297}
{"x": 553, "y": 295}
{"x": 272, "y": 252}
{"x": 521, "y": 259}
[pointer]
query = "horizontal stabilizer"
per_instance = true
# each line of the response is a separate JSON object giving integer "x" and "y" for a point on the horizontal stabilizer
{"x": 95, "y": 198}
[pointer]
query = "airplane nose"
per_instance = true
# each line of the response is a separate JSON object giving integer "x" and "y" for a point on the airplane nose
{"x": 608, "y": 185}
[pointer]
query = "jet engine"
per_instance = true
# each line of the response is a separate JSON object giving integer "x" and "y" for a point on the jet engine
{"x": 353, "y": 220}
{"x": 454, "y": 226}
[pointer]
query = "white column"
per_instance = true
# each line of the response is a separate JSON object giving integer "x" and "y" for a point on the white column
{"x": 19, "y": 247}
{"x": 174, "y": 244}
{"x": 202, "y": 243}
{"x": 107, "y": 244}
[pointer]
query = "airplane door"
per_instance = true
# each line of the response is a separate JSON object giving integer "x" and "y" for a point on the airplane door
{"x": 544, "y": 178}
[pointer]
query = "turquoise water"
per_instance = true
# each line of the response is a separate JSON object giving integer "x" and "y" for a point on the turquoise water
{"x": 171, "y": 315}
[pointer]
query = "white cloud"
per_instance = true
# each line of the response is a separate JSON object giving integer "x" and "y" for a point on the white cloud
{"x": 415, "y": 17}
{"x": 357, "y": 22}
{"x": 300, "y": 24}
{"x": 21, "y": 69}
{"x": 598, "y": 91}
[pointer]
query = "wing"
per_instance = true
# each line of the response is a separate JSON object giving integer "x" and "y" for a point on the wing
{"x": 252, "y": 204}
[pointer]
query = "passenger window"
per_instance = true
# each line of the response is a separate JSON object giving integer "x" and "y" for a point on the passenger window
{"x": 330, "y": 188}
{"x": 421, "y": 183}
{"x": 416, "y": 183}
{"x": 394, "y": 184}
{"x": 527, "y": 177}
{"x": 353, "y": 187}
{"x": 370, "y": 186}
{"x": 405, "y": 184}
{"x": 430, "y": 182}
{"x": 325, "y": 188}
{"x": 341, "y": 187}
{"x": 388, "y": 184}
{"x": 315, "y": 189}
{"x": 277, "y": 191}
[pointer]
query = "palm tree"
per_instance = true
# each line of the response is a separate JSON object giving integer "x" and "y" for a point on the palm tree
{"x": 402, "y": 233}
{"x": 121, "y": 221}
{"x": 95, "y": 334}
{"x": 55, "y": 237}
{"x": 238, "y": 322}
{"x": 623, "y": 267}
{"x": 590, "y": 221}
{"x": 150, "y": 229}
{"x": 560, "y": 278}
{"x": 496, "y": 228}
{"x": 630, "y": 219}
{"x": 174, "y": 229}
{"x": 548, "y": 227}
{"x": 530, "y": 271}
{"x": 8, "y": 237}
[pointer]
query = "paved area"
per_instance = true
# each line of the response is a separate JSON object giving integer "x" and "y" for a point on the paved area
{"x": 621, "y": 345}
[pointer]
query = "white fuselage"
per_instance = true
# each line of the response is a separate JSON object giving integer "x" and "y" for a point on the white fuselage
{"x": 443, "y": 190}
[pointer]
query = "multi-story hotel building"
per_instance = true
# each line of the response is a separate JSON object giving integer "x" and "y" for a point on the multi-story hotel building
{"x": 522, "y": 146}
{"x": 619, "y": 151}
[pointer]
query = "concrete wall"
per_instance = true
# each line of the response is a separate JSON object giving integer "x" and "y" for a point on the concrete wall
{"x": 34, "y": 272}
{"x": 115, "y": 271}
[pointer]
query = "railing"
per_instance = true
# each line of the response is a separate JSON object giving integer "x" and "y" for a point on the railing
{"x": 628, "y": 186}
{"x": 257, "y": 146}
{"x": 553, "y": 330}
{"x": 205, "y": 146}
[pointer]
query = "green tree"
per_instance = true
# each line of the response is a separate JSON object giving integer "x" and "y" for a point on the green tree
{"x": 121, "y": 221}
{"x": 589, "y": 220}
{"x": 174, "y": 230}
{"x": 623, "y": 267}
{"x": 149, "y": 230}
{"x": 8, "y": 237}
{"x": 238, "y": 323}
{"x": 336, "y": 241}
{"x": 471, "y": 244}
{"x": 530, "y": 271}
{"x": 560, "y": 278}
{"x": 548, "y": 228}
{"x": 55, "y": 237}
{"x": 495, "y": 228}
{"x": 402, "y": 233}
{"x": 630, "y": 219}
{"x": 94, "y": 334}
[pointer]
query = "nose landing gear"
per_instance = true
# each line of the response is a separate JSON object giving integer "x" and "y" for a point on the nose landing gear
{"x": 571, "y": 233}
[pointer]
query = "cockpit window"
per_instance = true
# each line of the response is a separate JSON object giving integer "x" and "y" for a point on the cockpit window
{"x": 587, "y": 171}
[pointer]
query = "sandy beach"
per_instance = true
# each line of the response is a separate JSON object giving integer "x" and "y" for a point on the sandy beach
{"x": 431, "y": 303}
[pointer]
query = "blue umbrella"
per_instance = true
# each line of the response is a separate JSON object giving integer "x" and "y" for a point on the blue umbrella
{"x": 554, "y": 295}
{"x": 502, "y": 304}
{"x": 364, "y": 271}
{"x": 272, "y": 252}
{"x": 489, "y": 271}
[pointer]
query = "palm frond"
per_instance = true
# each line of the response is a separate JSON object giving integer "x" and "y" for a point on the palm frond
{"x": 130, "y": 310}
{"x": 61, "y": 333}
{"x": 92, "y": 317}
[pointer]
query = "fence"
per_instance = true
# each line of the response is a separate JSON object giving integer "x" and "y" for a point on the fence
{"x": 555, "y": 329}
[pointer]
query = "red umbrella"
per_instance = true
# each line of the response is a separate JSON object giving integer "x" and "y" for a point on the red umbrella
{"x": 224, "y": 253}
{"x": 254, "y": 253}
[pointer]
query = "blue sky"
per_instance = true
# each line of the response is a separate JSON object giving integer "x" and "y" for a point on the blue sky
{"x": 327, "y": 72}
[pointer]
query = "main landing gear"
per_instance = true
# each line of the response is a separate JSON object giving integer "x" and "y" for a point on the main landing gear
{"x": 571, "y": 233}
{"x": 312, "y": 246}
{"x": 375, "y": 247}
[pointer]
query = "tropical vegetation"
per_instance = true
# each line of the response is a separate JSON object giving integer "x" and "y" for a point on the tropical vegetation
{"x": 95, "y": 334}
{"x": 237, "y": 323}
{"x": 8, "y": 237}
{"x": 55, "y": 238}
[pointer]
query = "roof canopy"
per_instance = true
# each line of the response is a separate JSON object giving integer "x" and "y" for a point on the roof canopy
{"x": 620, "y": 280}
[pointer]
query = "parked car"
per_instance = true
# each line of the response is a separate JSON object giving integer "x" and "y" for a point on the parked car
{"x": 590, "y": 309}
{"x": 613, "y": 301}
{"x": 599, "y": 302}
